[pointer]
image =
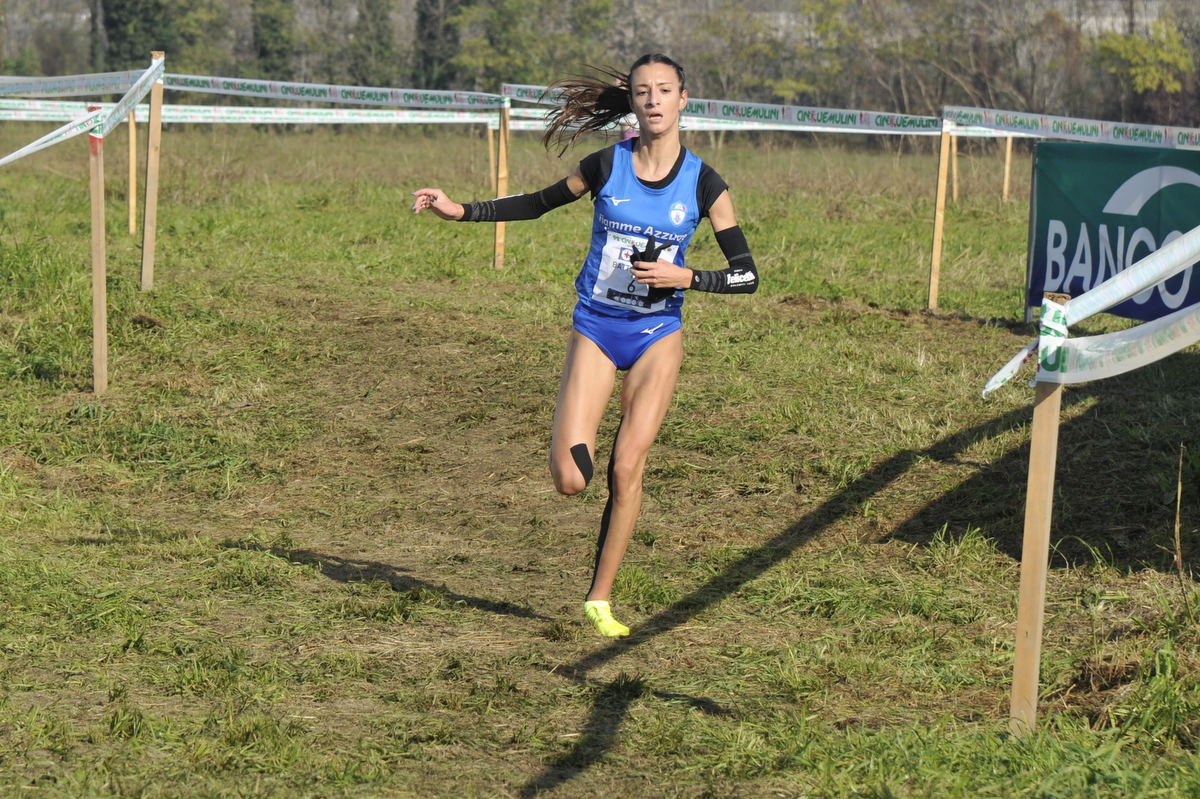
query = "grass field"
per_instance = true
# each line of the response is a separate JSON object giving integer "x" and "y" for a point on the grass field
{"x": 307, "y": 545}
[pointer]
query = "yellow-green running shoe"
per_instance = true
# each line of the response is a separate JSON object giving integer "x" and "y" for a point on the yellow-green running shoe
{"x": 599, "y": 613}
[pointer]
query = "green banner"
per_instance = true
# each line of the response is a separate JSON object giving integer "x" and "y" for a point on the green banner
{"x": 1097, "y": 209}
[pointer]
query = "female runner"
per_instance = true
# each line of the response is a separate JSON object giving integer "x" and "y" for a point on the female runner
{"x": 649, "y": 194}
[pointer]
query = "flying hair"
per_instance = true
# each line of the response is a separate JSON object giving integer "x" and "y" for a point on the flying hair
{"x": 595, "y": 103}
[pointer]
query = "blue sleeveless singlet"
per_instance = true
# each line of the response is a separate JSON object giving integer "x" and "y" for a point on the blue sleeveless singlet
{"x": 614, "y": 310}
{"x": 626, "y": 214}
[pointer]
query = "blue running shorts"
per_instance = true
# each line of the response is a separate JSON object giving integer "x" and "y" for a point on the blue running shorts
{"x": 624, "y": 338}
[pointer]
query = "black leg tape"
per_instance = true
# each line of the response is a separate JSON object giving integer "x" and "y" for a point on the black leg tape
{"x": 584, "y": 461}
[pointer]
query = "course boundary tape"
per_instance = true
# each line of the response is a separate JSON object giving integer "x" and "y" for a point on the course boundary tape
{"x": 72, "y": 85}
{"x": 1047, "y": 126}
{"x": 780, "y": 117}
{"x": 67, "y": 131}
{"x": 98, "y": 122}
{"x": 527, "y": 119}
{"x": 32, "y": 110}
{"x": 958, "y": 120}
{"x": 331, "y": 93}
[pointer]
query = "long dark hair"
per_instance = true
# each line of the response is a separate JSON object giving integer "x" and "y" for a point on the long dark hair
{"x": 593, "y": 104}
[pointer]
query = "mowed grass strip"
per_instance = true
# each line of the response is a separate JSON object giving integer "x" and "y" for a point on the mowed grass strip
{"x": 306, "y": 543}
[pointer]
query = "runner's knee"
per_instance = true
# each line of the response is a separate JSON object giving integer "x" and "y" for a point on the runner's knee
{"x": 569, "y": 484}
{"x": 570, "y": 481}
{"x": 625, "y": 475}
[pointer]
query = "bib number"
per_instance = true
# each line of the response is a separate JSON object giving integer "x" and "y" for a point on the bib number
{"x": 616, "y": 284}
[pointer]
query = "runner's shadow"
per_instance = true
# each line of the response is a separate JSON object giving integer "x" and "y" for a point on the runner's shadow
{"x": 1115, "y": 482}
{"x": 611, "y": 707}
{"x": 612, "y": 700}
{"x": 348, "y": 570}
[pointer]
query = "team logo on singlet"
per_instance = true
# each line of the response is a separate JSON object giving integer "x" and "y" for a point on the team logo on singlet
{"x": 678, "y": 213}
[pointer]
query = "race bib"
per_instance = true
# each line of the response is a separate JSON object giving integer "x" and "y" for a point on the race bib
{"x": 615, "y": 283}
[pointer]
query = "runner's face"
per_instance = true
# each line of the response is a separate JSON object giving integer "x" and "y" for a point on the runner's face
{"x": 657, "y": 97}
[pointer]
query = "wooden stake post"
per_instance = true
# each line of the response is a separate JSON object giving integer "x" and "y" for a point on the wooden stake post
{"x": 1035, "y": 552}
{"x": 501, "y": 181}
{"x": 99, "y": 271}
{"x": 939, "y": 219}
{"x": 150, "y": 215}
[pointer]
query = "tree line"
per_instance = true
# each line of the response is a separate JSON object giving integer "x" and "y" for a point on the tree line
{"x": 1133, "y": 60}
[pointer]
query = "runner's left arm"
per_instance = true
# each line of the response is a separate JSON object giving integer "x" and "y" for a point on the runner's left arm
{"x": 741, "y": 276}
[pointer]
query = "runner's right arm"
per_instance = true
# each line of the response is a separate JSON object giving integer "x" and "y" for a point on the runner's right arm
{"x": 513, "y": 208}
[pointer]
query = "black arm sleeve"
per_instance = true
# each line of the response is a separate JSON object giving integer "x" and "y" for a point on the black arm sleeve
{"x": 740, "y": 277}
{"x": 519, "y": 206}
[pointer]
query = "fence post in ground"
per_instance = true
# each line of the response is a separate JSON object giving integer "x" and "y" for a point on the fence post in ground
{"x": 150, "y": 215}
{"x": 501, "y": 180}
{"x": 99, "y": 271}
{"x": 939, "y": 216}
{"x": 1035, "y": 552}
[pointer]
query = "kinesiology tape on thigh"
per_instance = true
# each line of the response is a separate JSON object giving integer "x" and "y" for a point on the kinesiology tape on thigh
{"x": 583, "y": 460}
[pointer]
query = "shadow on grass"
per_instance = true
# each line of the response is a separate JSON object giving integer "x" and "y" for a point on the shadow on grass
{"x": 1117, "y": 449}
{"x": 1115, "y": 477}
{"x": 610, "y": 708}
{"x": 347, "y": 570}
{"x": 612, "y": 699}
